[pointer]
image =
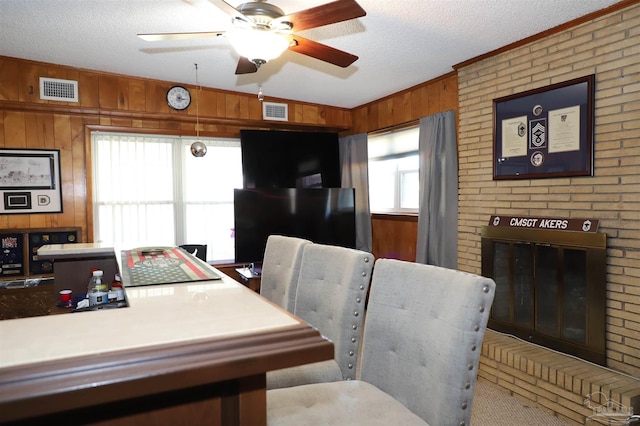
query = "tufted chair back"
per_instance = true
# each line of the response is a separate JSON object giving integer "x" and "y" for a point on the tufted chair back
{"x": 332, "y": 288}
{"x": 280, "y": 269}
{"x": 423, "y": 337}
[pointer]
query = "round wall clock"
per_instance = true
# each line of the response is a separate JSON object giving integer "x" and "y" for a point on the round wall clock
{"x": 178, "y": 98}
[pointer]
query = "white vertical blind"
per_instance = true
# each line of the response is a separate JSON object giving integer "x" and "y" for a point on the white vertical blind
{"x": 208, "y": 195}
{"x": 150, "y": 191}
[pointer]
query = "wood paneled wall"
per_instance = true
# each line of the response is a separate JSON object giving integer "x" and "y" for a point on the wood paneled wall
{"x": 120, "y": 103}
{"x": 395, "y": 236}
{"x": 113, "y": 102}
{"x": 142, "y": 102}
{"x": 440, "y": 94}
{"x": 24, "y": 129}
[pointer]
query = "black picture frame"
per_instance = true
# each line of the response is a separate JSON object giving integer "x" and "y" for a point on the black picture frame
{"x": 545, "y": 132}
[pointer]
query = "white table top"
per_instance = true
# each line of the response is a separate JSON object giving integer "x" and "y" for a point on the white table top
{"x": 75, "y": 249}
{"x": 156, "y": 315}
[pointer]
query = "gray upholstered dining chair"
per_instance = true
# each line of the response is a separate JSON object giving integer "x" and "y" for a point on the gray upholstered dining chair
{"x": 332, "y": 290}
{"x": 421, "y": 347}
{"x": 280, "y": 269}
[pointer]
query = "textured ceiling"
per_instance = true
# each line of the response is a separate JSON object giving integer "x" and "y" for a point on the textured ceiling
{"x": 400, "y": 43}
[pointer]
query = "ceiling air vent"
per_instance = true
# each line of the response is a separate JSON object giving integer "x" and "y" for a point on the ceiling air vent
{"x": 274, "y": 111}
{"x": 54, "y": 89}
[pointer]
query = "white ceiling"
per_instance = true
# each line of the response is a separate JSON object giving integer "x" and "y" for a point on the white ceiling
{"x": 400, "y": 43}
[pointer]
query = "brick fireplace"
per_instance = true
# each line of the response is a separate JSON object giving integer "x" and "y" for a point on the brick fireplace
{"x": 547, "y": 325}
{"x": 544, "y": 378}
{"x": 550, "y": 282}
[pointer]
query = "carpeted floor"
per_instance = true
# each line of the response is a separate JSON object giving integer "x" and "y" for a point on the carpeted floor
{"x": 492, "y": 406}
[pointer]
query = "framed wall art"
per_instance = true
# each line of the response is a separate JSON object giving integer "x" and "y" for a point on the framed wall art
{"x": 30, "y": 181}
{"x": 545, "y": 132}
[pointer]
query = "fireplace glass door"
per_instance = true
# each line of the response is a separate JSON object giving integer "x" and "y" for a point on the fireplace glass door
{"x": 549, "y": 290}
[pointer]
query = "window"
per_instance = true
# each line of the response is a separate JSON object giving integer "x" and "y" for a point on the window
{"x": 393, "y": 171}
{"x": 150, "y": 191}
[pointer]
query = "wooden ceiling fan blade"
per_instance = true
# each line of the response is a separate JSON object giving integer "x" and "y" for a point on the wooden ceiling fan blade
{"x": 322, "y": 51}
{"x": 330, "y": 13}
{"x": 179, "y": 36}
{"x": 245, "y": 66}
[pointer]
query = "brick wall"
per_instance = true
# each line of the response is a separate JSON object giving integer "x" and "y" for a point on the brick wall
{"x": 608, "y": 47}
{"x": 568, "y": 388}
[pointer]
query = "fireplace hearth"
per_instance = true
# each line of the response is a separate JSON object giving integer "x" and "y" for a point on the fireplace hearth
{"x": 550, "y": 283}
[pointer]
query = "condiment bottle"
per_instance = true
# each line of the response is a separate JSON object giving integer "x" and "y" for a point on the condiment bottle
{"x": 117, "y": 287}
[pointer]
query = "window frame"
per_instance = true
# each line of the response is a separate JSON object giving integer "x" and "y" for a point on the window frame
{"x": 179, "y": 201}
{"x": 396, "y": 153}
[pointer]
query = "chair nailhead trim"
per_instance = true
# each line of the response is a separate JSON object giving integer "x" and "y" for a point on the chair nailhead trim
{"x": 470, "y": 367}
{"x": 485, "y": 289}
{"x": 356, "y": 313}
{"x": 463, "y": 405}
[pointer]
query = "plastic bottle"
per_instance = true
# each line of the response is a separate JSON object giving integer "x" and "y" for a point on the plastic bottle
{"x": 97, "y": 290}
{"x": 117, "y": 287}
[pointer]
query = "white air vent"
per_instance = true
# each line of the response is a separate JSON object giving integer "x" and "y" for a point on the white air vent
{"x": 274, "y": 111}
{"x": 54, "y": 89}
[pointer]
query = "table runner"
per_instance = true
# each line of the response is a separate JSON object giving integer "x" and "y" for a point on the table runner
{"x": 163, "y": 265}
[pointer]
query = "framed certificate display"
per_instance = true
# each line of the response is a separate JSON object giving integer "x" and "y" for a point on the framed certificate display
{"x": 30, "y": 181}
{"x": 545, "y": 132}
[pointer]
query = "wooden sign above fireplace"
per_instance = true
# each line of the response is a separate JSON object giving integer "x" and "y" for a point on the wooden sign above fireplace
{"x": 557, "y": 224}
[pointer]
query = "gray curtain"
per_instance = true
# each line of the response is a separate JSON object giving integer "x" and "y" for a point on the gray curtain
{"x": 355, "y": 174}
{"x": 438, "y": 216}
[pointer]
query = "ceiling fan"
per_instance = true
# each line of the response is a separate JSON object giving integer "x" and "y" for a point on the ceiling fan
{"x": 263, "y": 31}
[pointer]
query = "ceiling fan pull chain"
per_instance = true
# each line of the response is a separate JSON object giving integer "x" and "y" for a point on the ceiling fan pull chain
{"x": 198, "y": 148}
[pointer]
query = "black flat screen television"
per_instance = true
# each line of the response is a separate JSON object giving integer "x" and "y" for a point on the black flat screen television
{"x": 322, "y": 215}
{"x": 282, "y": 159}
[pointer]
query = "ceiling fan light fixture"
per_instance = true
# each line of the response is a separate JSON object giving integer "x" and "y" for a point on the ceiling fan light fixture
{"x": 263, "y": 32}
{"x": 259, "y": 46}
